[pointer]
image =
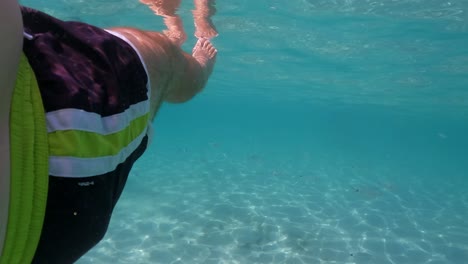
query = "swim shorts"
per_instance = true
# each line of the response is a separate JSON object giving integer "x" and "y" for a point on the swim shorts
{"x": 96, "y": 101}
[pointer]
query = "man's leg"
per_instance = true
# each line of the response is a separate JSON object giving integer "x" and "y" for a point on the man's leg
{"x": 11, "y": 29}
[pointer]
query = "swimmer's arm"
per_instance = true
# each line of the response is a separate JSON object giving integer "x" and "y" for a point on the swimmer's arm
{"x": 11, "y": 28}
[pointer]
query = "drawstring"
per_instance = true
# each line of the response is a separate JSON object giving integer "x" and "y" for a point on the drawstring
{"x": 28, "y": 36}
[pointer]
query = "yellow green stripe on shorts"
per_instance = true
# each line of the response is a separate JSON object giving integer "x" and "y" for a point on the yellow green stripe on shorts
{"x": 29, "y": 169}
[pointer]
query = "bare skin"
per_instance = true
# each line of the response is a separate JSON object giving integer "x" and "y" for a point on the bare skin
{"x": 183, "y": 75}
{"x": 10, "y": 50}
{"x": 175, "y": 75}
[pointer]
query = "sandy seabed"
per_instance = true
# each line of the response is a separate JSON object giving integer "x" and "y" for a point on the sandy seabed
{"x": 215, "y": 208}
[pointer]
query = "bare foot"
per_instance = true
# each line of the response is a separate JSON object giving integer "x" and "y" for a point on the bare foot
{"x": 205, "y": 53}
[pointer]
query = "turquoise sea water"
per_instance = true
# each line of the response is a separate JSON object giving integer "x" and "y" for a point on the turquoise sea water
{"x": 331, "y": 132}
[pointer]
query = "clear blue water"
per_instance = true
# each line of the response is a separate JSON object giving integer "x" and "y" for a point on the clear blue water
{"x": 331, "y": 132}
